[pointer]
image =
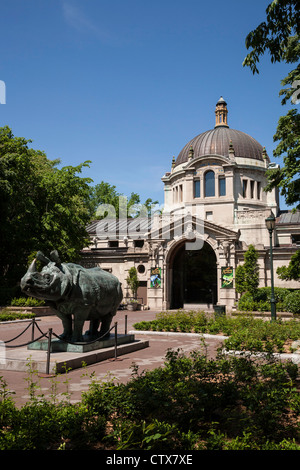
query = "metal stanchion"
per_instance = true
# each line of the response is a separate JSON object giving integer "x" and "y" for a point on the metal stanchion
{"x": 115, "y": 358}
{"x": 125, "y": 324}
{"x": 32, "y": 331}
{"x": 116, "y": 340}
{"x": 49, "y": 351}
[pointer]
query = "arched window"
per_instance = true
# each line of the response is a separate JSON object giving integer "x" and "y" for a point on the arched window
{"x": 209, "y": 183}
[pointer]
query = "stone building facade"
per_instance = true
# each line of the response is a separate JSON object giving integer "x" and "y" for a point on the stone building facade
{"x": 214, "y": 208}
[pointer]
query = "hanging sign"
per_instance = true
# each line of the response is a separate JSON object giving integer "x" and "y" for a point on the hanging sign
{"x": 227, "y": 277}
{"x": 155, "y": 278}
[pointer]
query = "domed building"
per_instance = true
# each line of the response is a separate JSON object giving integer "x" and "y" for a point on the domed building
{"x": 214, "y": 208}
{"x": 222, "y": 170}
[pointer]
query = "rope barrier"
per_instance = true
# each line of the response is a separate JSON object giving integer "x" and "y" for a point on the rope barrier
{"x": 26, "y": 344}
{"x": 10, "y": 340}
{"x": 33, "y": 323}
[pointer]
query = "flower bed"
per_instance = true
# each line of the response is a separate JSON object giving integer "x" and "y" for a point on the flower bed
{"x": 245, "y": 332}
{"x": 8, "y": 315}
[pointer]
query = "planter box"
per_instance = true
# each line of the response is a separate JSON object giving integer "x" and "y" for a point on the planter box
{"x": 132, "y": 306}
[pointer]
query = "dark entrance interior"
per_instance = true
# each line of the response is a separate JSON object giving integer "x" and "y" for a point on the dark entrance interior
{"x": 194, "y": 277}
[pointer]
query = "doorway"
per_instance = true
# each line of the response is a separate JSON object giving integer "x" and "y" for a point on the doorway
{"x": 194, "y": 277}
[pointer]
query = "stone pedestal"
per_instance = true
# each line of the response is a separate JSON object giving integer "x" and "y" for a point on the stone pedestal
{"x": 58, "y": 345}
{"x": 62, "y": 358}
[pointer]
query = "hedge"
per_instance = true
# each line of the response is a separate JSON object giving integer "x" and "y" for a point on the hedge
{"x": 287, "y": 300}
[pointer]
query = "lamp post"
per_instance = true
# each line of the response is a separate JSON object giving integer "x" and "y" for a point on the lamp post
{"x": 270, "y": 224}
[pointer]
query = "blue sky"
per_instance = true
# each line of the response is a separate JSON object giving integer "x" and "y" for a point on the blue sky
{"x": 127, "y": 83}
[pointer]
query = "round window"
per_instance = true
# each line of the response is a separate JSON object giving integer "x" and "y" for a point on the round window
{"x": 141, "y": 268}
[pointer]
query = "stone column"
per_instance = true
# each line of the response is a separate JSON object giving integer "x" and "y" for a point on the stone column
{"x": 226, "y": 249}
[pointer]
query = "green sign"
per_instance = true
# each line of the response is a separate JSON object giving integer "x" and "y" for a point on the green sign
{"x": 227, "y": 277}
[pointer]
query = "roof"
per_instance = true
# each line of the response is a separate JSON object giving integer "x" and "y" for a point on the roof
{"x": 108, "y": 227}
{"x": 289, "y": 217}
{"x": 217, "y": 141}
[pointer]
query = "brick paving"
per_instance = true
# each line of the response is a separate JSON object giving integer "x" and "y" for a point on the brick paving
{"x": 77, "y": 381}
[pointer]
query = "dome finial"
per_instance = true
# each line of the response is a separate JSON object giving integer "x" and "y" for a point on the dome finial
{"x": 173, "y": 163}
{"x": 231, "y": 150}
{"x": 191, "y": 153}
{"x": 221, "y": 113}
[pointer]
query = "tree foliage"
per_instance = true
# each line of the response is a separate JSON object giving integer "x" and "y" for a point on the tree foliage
{"x": 292, "y": 271}
{"x": 285, "y": 178}
{"x": 132, "y": 281}
{"x": 247, "y": 275}
{"x": 44, "y": 208}
{"x": 104, "y": 195}
{"x": 41, "y": 207}
{"x": 279, "y": 37}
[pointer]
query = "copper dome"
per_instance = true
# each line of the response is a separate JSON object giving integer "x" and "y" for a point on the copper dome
{"x": 217, "y": 141}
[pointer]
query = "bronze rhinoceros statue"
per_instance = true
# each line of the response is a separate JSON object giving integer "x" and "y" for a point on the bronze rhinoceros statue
{"x": 76, "y": 294}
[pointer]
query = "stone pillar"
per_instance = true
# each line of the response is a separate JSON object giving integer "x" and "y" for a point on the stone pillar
{"x": 156, "y": 260}
{"x": 226, "y": 296}
{"x": 189, "y": 186}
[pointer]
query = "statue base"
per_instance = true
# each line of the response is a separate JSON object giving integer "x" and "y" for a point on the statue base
{"x": 58, "y": 345}
{"x": 18, "y": 359}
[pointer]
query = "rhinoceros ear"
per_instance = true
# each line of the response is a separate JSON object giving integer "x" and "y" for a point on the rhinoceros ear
{"x": 42, "y": 258}
{"x": 55, "y": 257}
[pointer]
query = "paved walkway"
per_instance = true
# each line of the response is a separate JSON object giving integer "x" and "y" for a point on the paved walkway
{"x": 77, "y": 381}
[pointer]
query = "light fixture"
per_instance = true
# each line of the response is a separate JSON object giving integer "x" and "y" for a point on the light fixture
{"x": 270, "y": 222}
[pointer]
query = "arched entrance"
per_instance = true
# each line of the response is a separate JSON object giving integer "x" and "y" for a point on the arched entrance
{"x": 194, "y": 276}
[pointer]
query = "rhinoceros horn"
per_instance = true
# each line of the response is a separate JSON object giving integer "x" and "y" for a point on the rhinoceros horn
{"x": 32, "y": 267}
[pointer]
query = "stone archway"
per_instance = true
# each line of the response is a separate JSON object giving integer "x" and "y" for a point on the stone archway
{"x": 194, "y": 276}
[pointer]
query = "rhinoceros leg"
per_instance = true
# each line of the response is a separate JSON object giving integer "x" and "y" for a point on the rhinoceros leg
{"x": 77, "y": 331}
{"x": 105, "y": 325}
{"x": 93, "y": 332}
{"x": 67, "y": 325}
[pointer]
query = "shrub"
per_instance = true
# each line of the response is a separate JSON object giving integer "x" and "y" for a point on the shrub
{"x": 247, "y": 303}
{"x": 245, "y": 332}
{"x": 26, "y": 302}
{"x": 7, "y": 315}
{"x": 292, "y": 302}
{"x": 260, "y": 300}
{"x": 132, "y": 281}
{"x": 190, "y": 403}
{"x": 156, "y": 435}
{"x": 247, "y": 278}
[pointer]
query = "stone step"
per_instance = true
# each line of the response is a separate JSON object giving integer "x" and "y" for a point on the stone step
{"x": 204, "y": 307}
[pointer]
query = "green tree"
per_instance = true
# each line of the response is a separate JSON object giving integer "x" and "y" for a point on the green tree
{"x": 41, "y": 207}
{"x": 105, "y": 194}
{"x": 292, "y": 271}
{"x": 247, "y": 275}
{"x": 132, "y": 281}
{"x": 279, "y": 36}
